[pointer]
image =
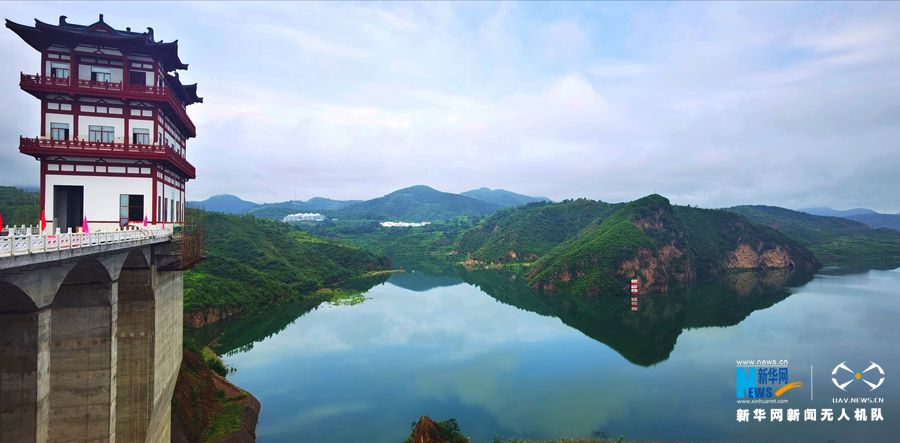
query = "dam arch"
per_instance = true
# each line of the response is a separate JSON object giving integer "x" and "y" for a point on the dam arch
{"x": 135, "y": 345}
{"x": 82, "y": 355}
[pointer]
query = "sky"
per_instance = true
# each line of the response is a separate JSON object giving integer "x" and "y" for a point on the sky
{"x": 710, "y": 104}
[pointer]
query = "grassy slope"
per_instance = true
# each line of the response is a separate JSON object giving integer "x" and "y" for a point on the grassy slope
{"x": 19, "y": 207}
{"x": 250, "y": 261}
{"x": 531, "y": 230}
{"x": 835, "y": 241}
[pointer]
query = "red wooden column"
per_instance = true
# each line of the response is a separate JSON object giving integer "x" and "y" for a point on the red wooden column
{"x": 153, "y": 172}
{"x": 44, "y": 73}
{"x": 76, "y": 108}
{"x": 126, "y": 83}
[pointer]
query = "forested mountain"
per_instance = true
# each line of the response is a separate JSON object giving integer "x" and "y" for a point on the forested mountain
{"x": 834, "y": 240}
{"x": 416, "y": 204}
{"x": 530, "y": 231}
{"x": 224, "y": 203}
{"x": 277, "y": 211}
{"x": 502, "y": 197}
{"x": 828, "y": 212}
{"x": 19, "y": 207}
{"x": 250, "y": 262}
{"x": 663, "y": 246}
{"x": 889, "y": 221}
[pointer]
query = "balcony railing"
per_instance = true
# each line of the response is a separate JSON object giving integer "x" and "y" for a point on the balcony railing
{"x": 16, "y": 242}
{"x": 82, "y": 148}
{"x": 71, "y": 85}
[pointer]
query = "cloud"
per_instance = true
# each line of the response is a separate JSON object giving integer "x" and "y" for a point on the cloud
{"x": 712, "y": 104}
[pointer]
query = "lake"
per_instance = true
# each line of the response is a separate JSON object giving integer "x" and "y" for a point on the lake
{"x": 504, "y": 360}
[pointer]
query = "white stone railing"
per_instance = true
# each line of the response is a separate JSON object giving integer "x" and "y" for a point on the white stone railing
{"x": 24, "y": 241}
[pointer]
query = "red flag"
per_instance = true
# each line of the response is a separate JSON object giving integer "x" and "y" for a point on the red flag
{"x": 43, "y": 222}
{"x": 1, "y": 222}
{"x": 84, "y": 226}
{"x": 145, "y": 221}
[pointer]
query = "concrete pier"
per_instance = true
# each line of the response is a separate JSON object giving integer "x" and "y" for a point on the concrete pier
{"x": 90, "y": 346}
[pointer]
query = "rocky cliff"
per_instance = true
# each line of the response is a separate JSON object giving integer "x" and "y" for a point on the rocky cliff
{"x": 208, "y": 408}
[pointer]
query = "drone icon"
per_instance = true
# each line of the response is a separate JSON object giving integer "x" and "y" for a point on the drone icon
{"x": 857, "y": 376}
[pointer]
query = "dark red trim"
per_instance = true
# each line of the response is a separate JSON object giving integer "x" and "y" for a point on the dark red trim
{"x": 76, "y": 113}
{"x": 46, "y": 84}
{"x": 79, "y": 148}
{"x": 44, "y": 118}
{"x": 97, "y": 114}
{"x": 114, "y": 221}
{"x": 99, "y": 174}
{"x": 155, "y": 126}
{"x": 43, "y": 183}
{"x": 153, "y": 172}
{"x": 127, "y": 135}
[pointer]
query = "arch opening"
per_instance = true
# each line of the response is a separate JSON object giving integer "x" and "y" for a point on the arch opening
{"x": 135, "y": 346}
{"x": 20, "y": 346}
{"x": 82, "y": 365}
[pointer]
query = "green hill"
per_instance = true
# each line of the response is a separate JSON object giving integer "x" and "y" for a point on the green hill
{"x": 19, "y": 207}
{"x": 416, "y": 204}
{"x": 502, "y": 197}
{"x": 225, "y": 203}
{"x": 889, "y": 221}
{"x": 528, "y": 232}
{"x": 250, "y": 262}
{"x": 663, "y": 246}
{"x": 835, "y": 241}
{"x": 277, "y": 211}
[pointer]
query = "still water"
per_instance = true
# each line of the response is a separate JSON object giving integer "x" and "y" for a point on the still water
{"x": 506, "y": 361}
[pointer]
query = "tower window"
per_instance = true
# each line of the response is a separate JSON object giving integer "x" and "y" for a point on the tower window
{"x": 101, "y": 74}
{"x": 59, "y": 131}
{"x": 131, "y": 208}
{"x": 137, "y": 78}
{"x": 59, "y": 70}
{"x": 140, "y": 136}
{"x": 105, "y": 134}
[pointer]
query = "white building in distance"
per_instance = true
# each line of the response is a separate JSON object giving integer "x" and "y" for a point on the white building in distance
{"x": 304, "y": 216}
{"x": 390, "y": 224}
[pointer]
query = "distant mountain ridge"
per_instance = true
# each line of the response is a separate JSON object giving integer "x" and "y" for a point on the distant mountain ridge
{"x": 828, "y": 212}
{"x": 502, "y": 197}
{"x": 418, "y": 203}
{"x": 415, "y": 203}
{"x": 224, "y": 203}
{"x": 231, "y": 204}
{"x": 863, "y": 215}
{"x": 277, "y": 211}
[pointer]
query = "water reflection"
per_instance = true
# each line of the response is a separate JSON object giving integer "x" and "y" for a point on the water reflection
{"x": 239, "y": 333}
{"x": 647, "y": 337}
{"x": 477, "y": 351}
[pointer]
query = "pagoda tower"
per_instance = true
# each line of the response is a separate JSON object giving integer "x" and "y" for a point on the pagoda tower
{"x": 114, "y": 126}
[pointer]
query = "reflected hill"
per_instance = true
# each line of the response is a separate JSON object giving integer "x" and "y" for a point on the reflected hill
{"x": 240, "y": 332}
{"x": 422, "y": 274}
{"x": 648, "y": 336}
{"x": 420, "y": 282}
